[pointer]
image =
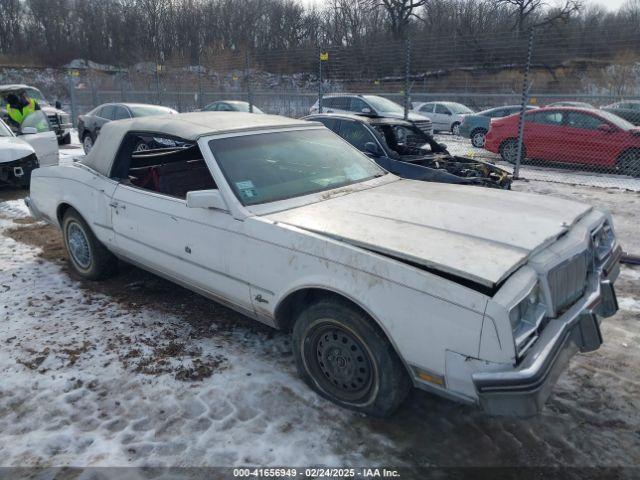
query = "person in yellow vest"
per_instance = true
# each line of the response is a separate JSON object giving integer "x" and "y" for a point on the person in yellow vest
{"x": 20, "y": 107}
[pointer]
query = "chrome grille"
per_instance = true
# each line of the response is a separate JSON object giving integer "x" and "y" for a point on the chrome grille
{"x": 567, "y": 281}
{"x": 53, "y": 120}
{"x": 425, "y": 125}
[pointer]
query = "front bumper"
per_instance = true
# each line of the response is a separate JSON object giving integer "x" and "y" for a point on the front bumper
{"x": 18, "y": 172}
{"x": 523, "y": 390}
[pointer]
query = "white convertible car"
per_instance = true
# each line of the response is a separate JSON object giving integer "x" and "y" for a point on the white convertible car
{"x": 475, "y": 294}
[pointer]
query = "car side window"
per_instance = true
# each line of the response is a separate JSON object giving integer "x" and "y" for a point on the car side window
{"x": 442, "y": 109}
{"x": 108, "y": 112}
{"x": 358, "y": 105}
{"x": 173, "y": 171}
{"x": 546, "y": 118}
{"x": 427, "y": 108}
{"x": 120, "y": 113}
{"x": 356, "y": 134}
{"x": 330, "y": 123}
{"x": 340, "y": 103}
{"x": 583, "y": 121}
{"x": 37, "y": 120}
{"x": 501, "y": 112}
{"x": 223, "y": 107}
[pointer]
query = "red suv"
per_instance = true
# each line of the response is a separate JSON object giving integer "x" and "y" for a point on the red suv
{"x": 570, "y": 135}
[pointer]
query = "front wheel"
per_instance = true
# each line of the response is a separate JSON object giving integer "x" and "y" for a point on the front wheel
{"x": 629, "y": 163}
{"x": 509, "y": 151}
{"x": 87, "y": 143}
{"x": 89, "y": 258}
{"x": 344, "y": 358}
{"x": 477, "y": 137}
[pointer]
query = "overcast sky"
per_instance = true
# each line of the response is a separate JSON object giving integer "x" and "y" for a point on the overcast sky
{"x": 610, "y": 5}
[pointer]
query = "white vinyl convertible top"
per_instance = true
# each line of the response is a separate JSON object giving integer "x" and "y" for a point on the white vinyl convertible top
{"x": 186, "y": 126}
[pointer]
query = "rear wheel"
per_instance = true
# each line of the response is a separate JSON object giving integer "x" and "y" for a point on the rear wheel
{"x": 455, "y": 128}
{"x": 477, "y": 137}
{"x": 89, "y": 257}
{"x": 344, "y": 358}
{"x": 629, "y": 163}
{"x": 509, "y": 150}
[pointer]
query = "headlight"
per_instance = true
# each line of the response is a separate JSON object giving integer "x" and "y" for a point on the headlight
{"x": 602, "y": 240}
{"x": 525, "y": 311}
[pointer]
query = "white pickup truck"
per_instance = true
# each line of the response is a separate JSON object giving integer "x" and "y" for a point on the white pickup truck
{"x": 478, "y": 295}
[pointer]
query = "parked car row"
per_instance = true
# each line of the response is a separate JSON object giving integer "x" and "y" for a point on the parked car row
{"x": 385, "y": 283}
{"x": 570, "y": 135}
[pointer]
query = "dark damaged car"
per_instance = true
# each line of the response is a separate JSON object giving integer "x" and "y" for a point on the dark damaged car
{"x": 408, "y": 152}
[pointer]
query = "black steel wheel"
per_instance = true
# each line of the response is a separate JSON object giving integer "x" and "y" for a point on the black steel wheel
{"x": 342, "y": 355}
{"x": 340, "y": 362}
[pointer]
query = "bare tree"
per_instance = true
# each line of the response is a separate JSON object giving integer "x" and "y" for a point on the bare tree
{"x": 399, "y": 14}
{"x": 539, "y": 11}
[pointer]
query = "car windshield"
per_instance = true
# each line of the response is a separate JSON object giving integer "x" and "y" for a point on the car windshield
{"x": 4, "y": 130}
{"x": 616, "y": 120}
{"x": 459, "y": 108}
{"x": 36, "y": 95}
{"x": 382, "y": 105}
{"x": 262, "y": 168}
{"x": 149, "y": 110}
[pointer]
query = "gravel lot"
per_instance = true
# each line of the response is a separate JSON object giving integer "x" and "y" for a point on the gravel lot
{"x": 138, "y": 371}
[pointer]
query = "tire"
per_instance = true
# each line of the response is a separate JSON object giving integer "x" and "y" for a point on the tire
{"x": 87, "y": 143}
{"x": 455, "y": 129}
{"x": 478, "y": 137}
{"x": 629, "y": 163}
{"x": 509, "y": 150}
{"x": 330, "y": 338}
{"x": 88, "y": 257}
{"x": 66, "y": 140}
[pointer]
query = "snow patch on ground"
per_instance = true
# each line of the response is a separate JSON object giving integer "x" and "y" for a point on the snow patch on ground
{"x": 14, "y": 209}
{"x": 629, "y": 304}
{"x": 88, "y": 382}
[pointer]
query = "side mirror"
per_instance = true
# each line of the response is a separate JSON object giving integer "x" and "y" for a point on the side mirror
{"x": 372, "y": 149}
{"x": 58, "y": 105}
{"x": 366, "y": 110}
{"x": 29, "y": 131}
{"x": 206, "y": 199}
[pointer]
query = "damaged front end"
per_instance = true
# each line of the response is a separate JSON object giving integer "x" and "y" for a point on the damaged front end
{"x": 17, "y": 173}
{"x": 417, "y": 155}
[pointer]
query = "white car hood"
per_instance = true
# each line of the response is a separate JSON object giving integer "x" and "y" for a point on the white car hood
{"x": 479, "y": 234}
{"x": 13, "y": 148}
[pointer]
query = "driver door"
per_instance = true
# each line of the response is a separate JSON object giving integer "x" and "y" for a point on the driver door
{"x": 35, "y": 130}
{"x": 195, "y": 247}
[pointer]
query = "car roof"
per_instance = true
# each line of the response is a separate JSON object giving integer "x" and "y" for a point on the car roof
{"x": 371, "y": 119}
{"x": 15, "y": 86}
{"x": 187, "y": 126}
{"x": 128, "y": 104}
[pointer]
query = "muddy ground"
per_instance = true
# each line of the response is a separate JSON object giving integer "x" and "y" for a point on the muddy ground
{"x": 138, "y": 371}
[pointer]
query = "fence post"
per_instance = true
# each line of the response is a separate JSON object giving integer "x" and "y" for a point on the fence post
{"x": 523, "y": 106}
{"x": 322, "y": 57}
{"x": 72, "y": 99}
{"x": 407, "y": 73}
{"x": 247, "y": 79}
{"x": 122, "y": 89}
{"x": 158, "y": 98}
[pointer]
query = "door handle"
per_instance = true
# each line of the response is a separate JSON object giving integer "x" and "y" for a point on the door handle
{"x": 117, "y": 205}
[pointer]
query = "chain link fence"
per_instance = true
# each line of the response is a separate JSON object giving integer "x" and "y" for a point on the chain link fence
{"x": 582, "y": 103}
